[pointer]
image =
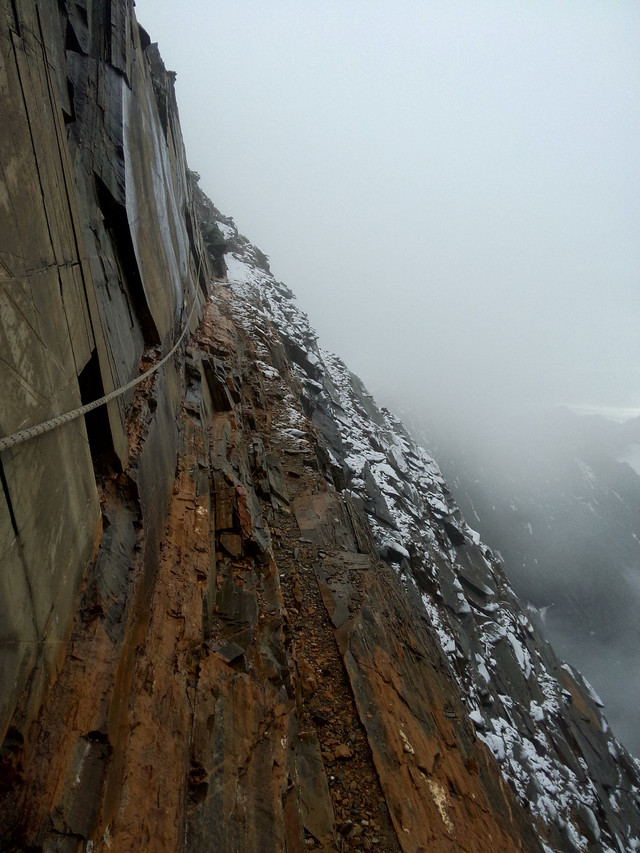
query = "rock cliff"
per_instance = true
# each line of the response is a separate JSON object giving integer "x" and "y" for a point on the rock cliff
{"x": 239, "y": 609}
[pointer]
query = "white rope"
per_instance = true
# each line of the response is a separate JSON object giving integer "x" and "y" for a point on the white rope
{"x": 39, "y": 429}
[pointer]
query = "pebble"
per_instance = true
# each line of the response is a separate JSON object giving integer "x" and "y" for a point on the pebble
{"x": 343, "y": 752}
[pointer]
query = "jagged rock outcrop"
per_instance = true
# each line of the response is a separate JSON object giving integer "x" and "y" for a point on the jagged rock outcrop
{"x": 240, "y": 610}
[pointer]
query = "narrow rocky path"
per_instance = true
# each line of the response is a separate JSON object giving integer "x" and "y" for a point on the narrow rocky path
{"x": 250, "y": 677}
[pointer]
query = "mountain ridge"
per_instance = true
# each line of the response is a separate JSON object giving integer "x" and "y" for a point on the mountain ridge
{"x": 240, "y": 608}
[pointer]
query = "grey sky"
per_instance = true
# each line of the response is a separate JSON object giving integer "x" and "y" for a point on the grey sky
{"x": 452, "y": 189}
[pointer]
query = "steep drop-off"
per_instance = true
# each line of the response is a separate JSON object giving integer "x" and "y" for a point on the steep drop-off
{"x": 239, "y": 609}
{"x": 551, "y": 494}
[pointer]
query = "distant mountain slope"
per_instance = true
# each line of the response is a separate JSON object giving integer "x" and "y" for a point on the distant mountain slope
{"x": 555, "y": 496}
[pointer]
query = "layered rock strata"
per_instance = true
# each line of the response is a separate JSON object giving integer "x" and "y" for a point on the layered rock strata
{"x": 240, "y": 610}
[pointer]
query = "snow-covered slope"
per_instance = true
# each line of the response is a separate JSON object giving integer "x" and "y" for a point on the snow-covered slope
{"x": 554, "y": 494}
{"x": 539, "y": 718}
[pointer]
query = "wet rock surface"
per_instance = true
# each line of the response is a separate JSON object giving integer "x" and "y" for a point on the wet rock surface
{"x": 240, "y": 611}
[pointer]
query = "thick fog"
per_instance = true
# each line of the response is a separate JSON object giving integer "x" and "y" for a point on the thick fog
{"x": 451, "y": 189}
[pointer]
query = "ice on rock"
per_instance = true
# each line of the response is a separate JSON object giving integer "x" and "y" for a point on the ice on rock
{"x": 522, "y": 655}
{"x": 592, "y": 694}
{"x": 473, "y": 535}
{"x": 295, "y": 433}
{"x": 483, "y": 672}
{"x": 477, "y": 719}
{"x": 226, "y": 230}
{"x": 268, "y": 370}
{"x": 536, "y": 711}
{"x": 495, "y": 744}
{"x": 396, "y": 547}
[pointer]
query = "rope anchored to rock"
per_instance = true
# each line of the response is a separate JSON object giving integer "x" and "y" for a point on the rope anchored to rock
{"x": 67, "y": 417}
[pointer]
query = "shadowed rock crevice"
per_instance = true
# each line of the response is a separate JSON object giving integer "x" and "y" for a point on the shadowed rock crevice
{"x": 117, "y": 227}
{"x": 96, "y": 421}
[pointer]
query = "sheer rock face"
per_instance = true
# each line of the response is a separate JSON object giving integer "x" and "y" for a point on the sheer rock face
{"x": 239, "y": 609}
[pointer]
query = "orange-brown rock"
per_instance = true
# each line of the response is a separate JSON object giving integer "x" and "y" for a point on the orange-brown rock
{"x": 201, "y": 648}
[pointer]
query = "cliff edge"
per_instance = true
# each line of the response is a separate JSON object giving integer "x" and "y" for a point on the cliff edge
{"x": 239, "y": 607}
